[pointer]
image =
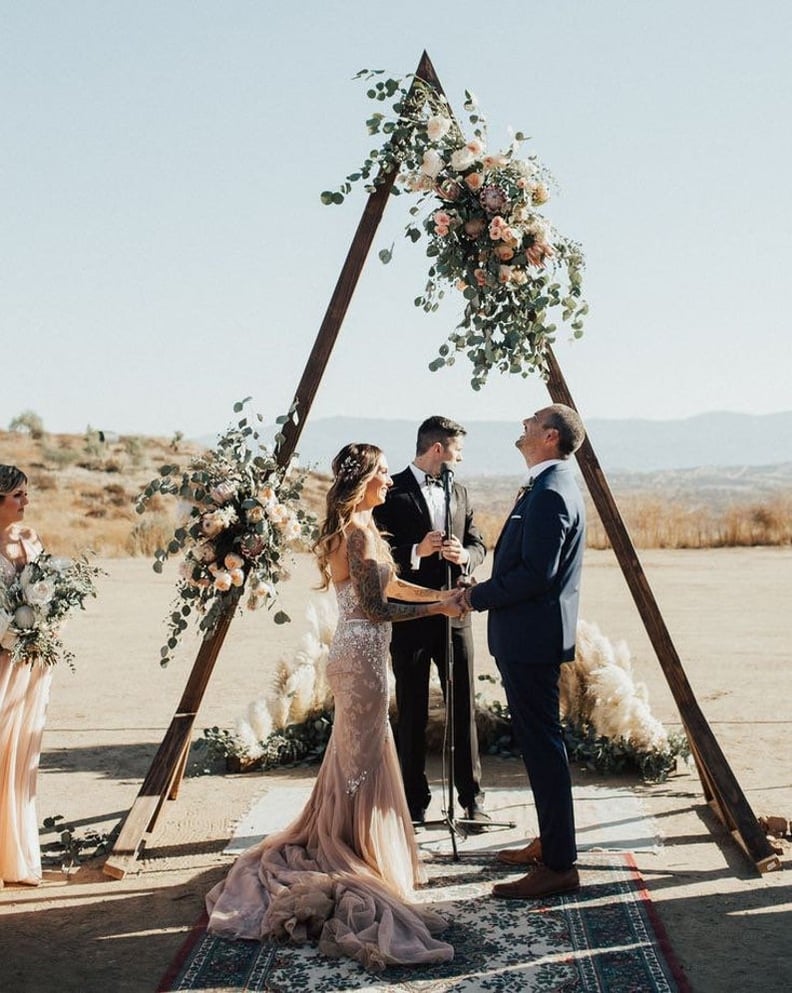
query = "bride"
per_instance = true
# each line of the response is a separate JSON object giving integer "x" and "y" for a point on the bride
{"x": 24, "y": 694}
{"x": 344, "y": 871}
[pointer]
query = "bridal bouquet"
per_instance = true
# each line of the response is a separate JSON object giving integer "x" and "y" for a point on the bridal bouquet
{"x": 35, "y": 604}
{"x": 240, "y": 514}
{"x": 486, "y": 235}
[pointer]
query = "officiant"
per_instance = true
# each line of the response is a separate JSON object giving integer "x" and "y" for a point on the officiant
{"x": 413, "y": 521}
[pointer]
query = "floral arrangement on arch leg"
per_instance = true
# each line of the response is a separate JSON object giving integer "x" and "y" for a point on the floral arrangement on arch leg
{"x": 36, "y": 603}
{"x": 241, "y": 514}
{"x": 486, "y": 235}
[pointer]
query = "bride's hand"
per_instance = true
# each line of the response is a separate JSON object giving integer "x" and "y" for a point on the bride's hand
{"x": 452, "y": 608}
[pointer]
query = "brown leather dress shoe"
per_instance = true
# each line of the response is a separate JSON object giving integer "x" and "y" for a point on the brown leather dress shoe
{"x": 540, "y": 882}
{"x": 531, "y": 854}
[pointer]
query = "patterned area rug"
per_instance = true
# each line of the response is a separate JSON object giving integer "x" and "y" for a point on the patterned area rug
{"x": 604, "y": 939}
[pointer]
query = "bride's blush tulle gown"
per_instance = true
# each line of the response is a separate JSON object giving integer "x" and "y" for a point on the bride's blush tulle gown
{"x": 343, "y": 873}
{"x": 24, "y": 694}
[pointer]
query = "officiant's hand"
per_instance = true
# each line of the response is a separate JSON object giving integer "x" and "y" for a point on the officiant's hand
{"x": 430, "y": 544}
{"x": 454, "y": 551}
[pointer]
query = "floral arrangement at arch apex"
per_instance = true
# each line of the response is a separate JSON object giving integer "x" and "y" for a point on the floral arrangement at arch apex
{"x": 486, "y": 234}
{"x": 240, "y": 515}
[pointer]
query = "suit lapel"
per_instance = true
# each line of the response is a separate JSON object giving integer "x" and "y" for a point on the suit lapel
{"x": 413, "y": 492}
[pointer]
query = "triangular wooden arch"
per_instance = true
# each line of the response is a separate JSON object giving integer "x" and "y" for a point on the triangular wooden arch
{"x": 721, "y": 789}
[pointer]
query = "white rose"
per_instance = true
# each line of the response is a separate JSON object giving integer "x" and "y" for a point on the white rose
{"x": 61, "y": 565}
{"x": 233, "y": 561}
{"x": 39, "y": 594}
{"x": 222, "y": 581}
{"x": 437, "y": 127}
{"x": 462, "y": 159}
{"x": 432, "y": 163}
{"x": 237, "y": 577}
{"x": 24, "y": 617}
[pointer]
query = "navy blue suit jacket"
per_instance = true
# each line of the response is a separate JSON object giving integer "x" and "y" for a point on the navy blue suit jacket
{"x": 534, "y": 593}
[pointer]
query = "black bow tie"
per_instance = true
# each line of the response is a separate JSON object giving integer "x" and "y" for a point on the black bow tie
{"x": 433, "y": 480}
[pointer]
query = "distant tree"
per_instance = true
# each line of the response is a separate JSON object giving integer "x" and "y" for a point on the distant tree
{"x": 176, "y": 440}
{"x": 28, "y": 421}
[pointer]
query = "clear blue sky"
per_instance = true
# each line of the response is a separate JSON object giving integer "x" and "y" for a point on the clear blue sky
{"x": 163, "y": 250}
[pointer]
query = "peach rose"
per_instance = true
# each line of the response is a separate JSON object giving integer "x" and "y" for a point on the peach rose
{"x": 480, "y": 276}
{"x": 232, "y": 561}
{"x": 504, "y": 252}
{"x": 222, "y": 581}
{"x": 441, "y": 222}
{"x": 474, "y": 181}
{"x": 496, "y": 227}
{"x": 505, "y": 273}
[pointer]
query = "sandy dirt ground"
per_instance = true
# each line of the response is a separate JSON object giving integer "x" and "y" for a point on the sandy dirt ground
{"x": 84, "y": 932}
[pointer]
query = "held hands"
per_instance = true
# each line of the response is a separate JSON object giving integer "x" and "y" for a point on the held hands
{"x": 451, "y": 607}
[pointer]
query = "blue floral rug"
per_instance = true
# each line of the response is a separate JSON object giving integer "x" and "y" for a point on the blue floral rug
{"x": 603, "y": 939}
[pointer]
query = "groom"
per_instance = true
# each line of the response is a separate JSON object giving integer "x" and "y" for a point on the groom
{"x": 413, "y": 521}
{"x": 532, "y": 599}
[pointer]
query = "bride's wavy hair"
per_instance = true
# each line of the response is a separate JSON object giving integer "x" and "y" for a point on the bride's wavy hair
{"x": 353, "y": 468}
{"x": 10, "y": 479}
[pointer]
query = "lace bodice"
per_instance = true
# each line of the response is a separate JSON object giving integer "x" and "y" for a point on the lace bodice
{"x": 349, "y": 607}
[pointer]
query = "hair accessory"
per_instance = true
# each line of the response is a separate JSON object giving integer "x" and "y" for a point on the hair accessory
{"x": 349, "y": 466}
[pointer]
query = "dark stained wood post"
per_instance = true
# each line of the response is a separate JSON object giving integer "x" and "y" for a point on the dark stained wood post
{"x": 167, "y": 767}
{"x": 721, "y": 788}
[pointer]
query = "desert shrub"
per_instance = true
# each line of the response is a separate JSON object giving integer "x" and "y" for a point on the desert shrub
{"x": 28, "y": 421}
{"x": 59, "y": 458}
{"x": 42, "y": 481}
{"x": 149, "y": 533}
{"x": 134, "y": 447}
{"x": 117, "y": 495}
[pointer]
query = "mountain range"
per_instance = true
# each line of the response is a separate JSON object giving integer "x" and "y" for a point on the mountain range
{"x": 713, "y": 440}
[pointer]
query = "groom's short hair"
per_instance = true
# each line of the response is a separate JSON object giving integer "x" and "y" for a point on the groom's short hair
{"x": 569, "y": 425}
{"x": 437, "y": 428}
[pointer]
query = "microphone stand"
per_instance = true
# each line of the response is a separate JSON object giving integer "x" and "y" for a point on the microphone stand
{"x": 456, "y": 826}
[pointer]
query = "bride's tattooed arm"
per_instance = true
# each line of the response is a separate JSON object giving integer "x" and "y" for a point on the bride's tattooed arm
{"x": 365, "y": 573}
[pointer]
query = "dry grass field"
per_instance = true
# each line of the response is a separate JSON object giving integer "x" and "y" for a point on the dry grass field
{"x": 83, "y": 490}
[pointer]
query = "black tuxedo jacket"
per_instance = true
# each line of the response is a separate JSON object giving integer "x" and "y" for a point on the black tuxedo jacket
{"x": 404, "y": 519}
{"x": 533, "y": 595}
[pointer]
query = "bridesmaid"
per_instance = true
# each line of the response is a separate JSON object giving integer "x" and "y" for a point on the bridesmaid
{"x": 24, "y": 693}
